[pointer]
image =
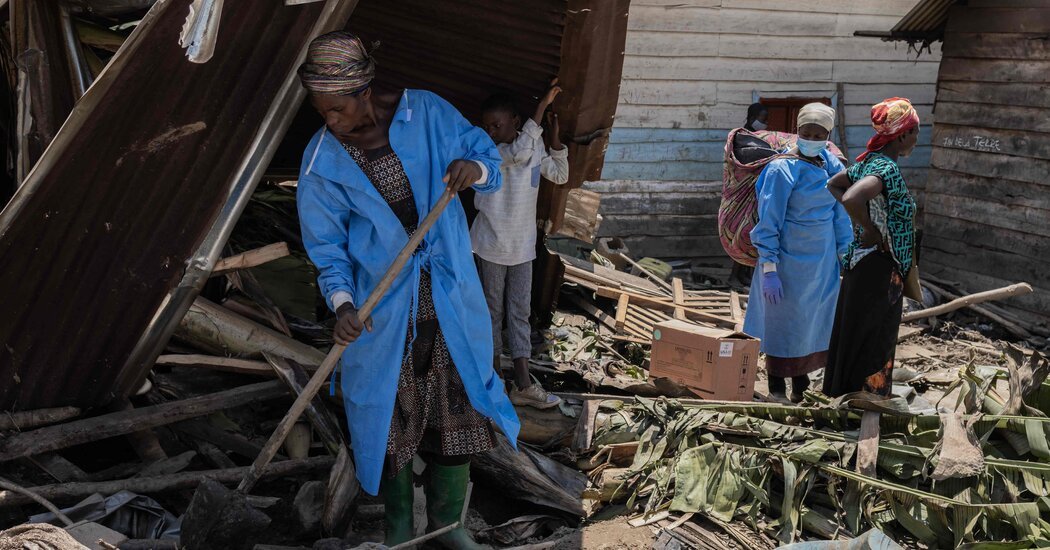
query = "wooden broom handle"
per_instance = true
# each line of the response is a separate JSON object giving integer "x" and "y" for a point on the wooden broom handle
{"x": 321, "y": 376}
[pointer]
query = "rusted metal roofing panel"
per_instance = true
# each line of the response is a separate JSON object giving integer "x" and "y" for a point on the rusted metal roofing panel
{"x": 108, "y": 221}
{"x": 465, "y": 50}
{"x": 927, "y": 16}
{"x": 924, "y": 23}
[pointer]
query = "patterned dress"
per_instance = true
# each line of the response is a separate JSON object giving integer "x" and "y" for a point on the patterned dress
{"x": 871, "y": 300}
{"x": 432, "y": 412}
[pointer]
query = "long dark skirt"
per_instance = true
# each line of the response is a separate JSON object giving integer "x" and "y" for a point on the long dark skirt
{"x": 864, "y": 337}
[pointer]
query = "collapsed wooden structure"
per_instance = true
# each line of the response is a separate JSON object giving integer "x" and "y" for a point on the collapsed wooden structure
{"x": 120, "y": 222}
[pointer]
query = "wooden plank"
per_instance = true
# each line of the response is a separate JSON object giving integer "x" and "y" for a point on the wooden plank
{"x": 105, "y": 426}
{"x": 692, "y": 314}
{"x": 735, "y": 307}
{"x": 1023, "y": 47}
{"x": 666, "y": 43}
{"x": 68, "y": 492}
{"x": 981, "y": 235}
{"x": 868, "y": 444}
{"x": 679, "y": 298}
{"x": 586, "y": 269}
{"x": 621, "y": 310}
{"x": 664, "y": 152}
{"x": 988, "y": 211}
{"x": 993, "y": 263}
{"x": 251, "y": 258}
{"x": 998, "y": 20}
{"x": 593, "y": 311}
{"x": 25, "y": 420}
{"x": 585, "y": 427}
{"x": 896, "y": 8}
{"x": 737, "y": 21}
{"x": 667, "y": 92}
{"x": 661, "y": 135}
{"x": 224, "y": 364}
{"x": 666, "y": 225}
{"x": 993, "y": 70}
{"x": 682, "y": 246}
{"x": 991, "y": 165}
{"x": 1006, "y": 192}
{"x": 1018, "y": 143}
{"x": 680, "y": 171}
{"x": 702, "y": 68}
{"x": 1018, "y": 94}
{"x": 655, "y": 203}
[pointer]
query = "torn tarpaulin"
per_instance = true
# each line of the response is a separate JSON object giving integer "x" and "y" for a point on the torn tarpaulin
{"x": 135, "y": 516}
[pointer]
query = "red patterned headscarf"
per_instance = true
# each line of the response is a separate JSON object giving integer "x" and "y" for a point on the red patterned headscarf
{"x": 891, "y": 118}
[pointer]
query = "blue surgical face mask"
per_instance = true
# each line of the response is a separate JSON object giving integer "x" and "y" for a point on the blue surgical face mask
{"x": 758, "y": 125}
{"x": 811, "y": 148}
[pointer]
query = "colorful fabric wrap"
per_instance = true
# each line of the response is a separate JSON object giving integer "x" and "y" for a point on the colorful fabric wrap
{"x": 337, "y": 64}
{"x": 738, "y": 212}
{"x": 891, "y": 118}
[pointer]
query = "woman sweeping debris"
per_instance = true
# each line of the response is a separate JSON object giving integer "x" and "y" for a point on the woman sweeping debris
{"x": 420, "y": 377}
{"x": 800, "y": 235}
{"x": 869, "y": 308}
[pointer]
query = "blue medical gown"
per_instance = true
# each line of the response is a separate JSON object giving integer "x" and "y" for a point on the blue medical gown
{"x": 803, "y": 230}
{"x": 352, "y": 236}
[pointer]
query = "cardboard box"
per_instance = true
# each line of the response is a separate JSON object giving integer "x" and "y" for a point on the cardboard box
{"x": 715, "y": 363}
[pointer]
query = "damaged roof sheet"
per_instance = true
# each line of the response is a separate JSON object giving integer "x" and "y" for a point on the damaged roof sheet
{"x": 111, "y": 215}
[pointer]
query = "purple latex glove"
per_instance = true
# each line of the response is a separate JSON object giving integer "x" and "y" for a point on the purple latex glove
{"x": 772, "y": 290}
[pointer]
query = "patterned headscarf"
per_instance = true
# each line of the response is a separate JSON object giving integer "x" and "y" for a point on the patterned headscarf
{"x": 337, "y": 64}
{"x": 891, "y": 118}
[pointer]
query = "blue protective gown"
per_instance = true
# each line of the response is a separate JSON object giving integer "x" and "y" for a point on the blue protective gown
{"x": 804, "y": 230}
{"x": 352, "y": 236}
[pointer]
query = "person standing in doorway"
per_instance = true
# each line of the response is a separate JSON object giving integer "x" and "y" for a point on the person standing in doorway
{"x": 800, "y": 235}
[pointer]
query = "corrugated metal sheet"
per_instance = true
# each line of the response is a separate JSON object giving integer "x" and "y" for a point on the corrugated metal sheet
{"x": 108, "y": 221}
{"x": 928, "y": 16}
{"x": 465, "y": 50}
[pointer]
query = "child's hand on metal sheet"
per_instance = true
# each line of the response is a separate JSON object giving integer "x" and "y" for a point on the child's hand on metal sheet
{"x": 462, "y": 174}
{"x": 348, "y": 327}
{"x": 552, "y": 93}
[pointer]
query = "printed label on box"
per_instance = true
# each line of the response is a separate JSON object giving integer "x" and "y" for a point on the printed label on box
{"x": 725, "y": 349}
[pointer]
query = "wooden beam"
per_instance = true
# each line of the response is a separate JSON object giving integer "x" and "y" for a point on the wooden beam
{"x": 224, "y": 364}
{"x": 24, "y": 420}
{"x": 147, "y": 485}
{"x": 736, "y": 310}
{"x": 622, "y": 303}
{"x": 679, "y": 298}
{"x": 105, "y": 426}
{"x": 868, "y": 444}
{"x": 251, "y": 258}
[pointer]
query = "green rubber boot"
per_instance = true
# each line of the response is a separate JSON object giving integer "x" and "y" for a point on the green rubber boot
{"x": 446, "y": 491}
{"x": 398, "y": 496}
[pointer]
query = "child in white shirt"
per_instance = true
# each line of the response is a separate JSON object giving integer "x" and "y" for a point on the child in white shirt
{"x": 504, "y": 233}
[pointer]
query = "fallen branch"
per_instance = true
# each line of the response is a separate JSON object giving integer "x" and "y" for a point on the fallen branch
{"x": 1011, "y": 326}
{"x": 1018, "y": 289}
{"x": 251, "y": 258}
{"x": 124, "y": 422}
{"x": 157, "y": 484}
{"x": 24, "y": 420}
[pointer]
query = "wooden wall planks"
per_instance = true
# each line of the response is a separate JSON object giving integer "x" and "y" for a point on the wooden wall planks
{"x": 987, "y": 218}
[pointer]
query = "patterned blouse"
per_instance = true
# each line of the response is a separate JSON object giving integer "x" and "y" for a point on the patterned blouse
{"x": 892, "y": 212}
